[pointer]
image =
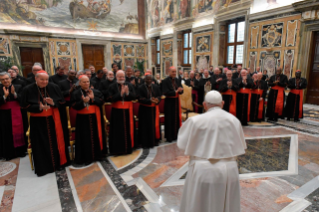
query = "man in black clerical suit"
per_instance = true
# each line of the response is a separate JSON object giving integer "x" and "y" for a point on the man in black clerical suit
{"x": 97, "y": 79}
{"x": 294, "y": 104}
{"x": 105, "y": 84}
{"x": 59, "y": 75}
{"x": 16, "y": 69}
{"x": 217, "y": 77}
{"x": 15, "y": 80}
{"x": 276, "y": 97}
{"x": 35, "y": 70}
{"x": 68, "y": 85}
{"x": 236, "y": 74}
{"x": 228, "y": 88}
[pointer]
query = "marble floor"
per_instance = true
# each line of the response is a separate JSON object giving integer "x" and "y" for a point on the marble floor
{"x": 279, "y": 172}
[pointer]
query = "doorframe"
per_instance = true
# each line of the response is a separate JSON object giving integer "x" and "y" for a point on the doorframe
{"x": 307, "y": 31}
{"x": 45, "y": 50}
{"x": 107, "y": 51}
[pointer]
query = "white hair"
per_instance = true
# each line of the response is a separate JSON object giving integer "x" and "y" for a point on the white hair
{"x": 120, "y": 71}
{"x": 5, "y": 73}
{"x": 36, "y": 65}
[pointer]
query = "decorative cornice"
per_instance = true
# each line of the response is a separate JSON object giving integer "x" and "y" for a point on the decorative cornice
{"x": 269, "y": 14}
{"x": 306, "y": 5}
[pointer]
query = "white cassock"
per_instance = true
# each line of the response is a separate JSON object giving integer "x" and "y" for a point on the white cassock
{"x": 212, "y": 140}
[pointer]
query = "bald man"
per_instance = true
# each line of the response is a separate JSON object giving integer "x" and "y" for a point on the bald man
{"x": 121, "y": 94}
{"x": 89, "y": 136}
{"x": 42, "y": 99}
{"x": 245, "y": 83}
{"x": 172, "y": 88}
{"x": 257, "y": 98}
{"x": 276, "y": 97}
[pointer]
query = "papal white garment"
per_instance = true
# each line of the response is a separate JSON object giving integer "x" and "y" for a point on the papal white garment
{"x": 212, "y": 140}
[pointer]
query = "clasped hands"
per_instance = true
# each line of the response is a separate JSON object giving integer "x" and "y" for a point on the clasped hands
{"x": 124, "y": 90}
{"x": 88, "y": 97}
{"x": 179, "y": 89}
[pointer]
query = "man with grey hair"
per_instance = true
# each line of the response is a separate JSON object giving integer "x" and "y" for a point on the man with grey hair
{"x": 14, "y": 78}
{"x": 105, "y": 84}
{"x": 213, "y": 140}
{"x": 121, "y": 94}
{"x": 12, "y": 140}
{"x": 35, "y": 70}
{"x": 16, "y": 69}
{"x": 31, "y": 74}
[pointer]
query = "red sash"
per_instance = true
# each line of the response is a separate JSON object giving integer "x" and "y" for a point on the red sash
{"x": 280, "y": 99}
{"x": 195, "y": 100}
{"x": 300, "y": 93}
{"x": 54, "y": 112}
{"x": 16, "y": 122}
{"x": 129, "y": 106}
{"x": 246, "y": 91}
{"x": 261, "y": 103}
{"x": 93, "y": 109}
{"x": 179, "y": 107}
{"x": 157, "y": 129}
{"x": 67, "y": 98}
{"x": 232, "y": 105}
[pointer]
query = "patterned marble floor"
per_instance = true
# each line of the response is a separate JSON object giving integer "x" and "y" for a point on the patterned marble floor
{"x": 279, "y": 172}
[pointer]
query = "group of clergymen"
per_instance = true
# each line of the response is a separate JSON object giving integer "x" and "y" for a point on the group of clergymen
{"x": 244, "y": 92}
{"x": 46, "y": 98}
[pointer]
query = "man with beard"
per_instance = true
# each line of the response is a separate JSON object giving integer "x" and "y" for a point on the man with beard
{"x": 105, "y": 84}
{"x": 257, "y": 96}
{"x": 89, "y": 137}
{"x": 276, "y": 97}
{"x": 115, "y": 68}
{"x": 59, "y": 76}
{"x": 294, "y": 104}
{"x": 243, "y": 96}
{"x": 121, "y": 94}
{"x": 216, "y": 79}
{"x": 172, "y": 88}
{"x": 35, "y": 70}
{"x": 149, "y": 125}
{"x": 228, "y": 87}
{"x": 205, "y": 85}
{"x": 12, "y": 140}
{"x": 97, "y": 79}
{"x": 42, "y": 99}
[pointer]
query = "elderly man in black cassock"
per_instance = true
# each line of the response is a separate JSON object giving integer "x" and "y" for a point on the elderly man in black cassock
{"x": 35, "y": 70}
{"x": 257, "y": 98}
{"x": 276, "y": 97}
{"x": 192, "y": 82}
{"x": 98, "y": 78}
{"x": 59, "y": 75}
{"x": 172, "y": 88}
{"x": 217, "y": 77}
{"x": 105, "y": 84}
{"x": 121, "y": 138}
{"x": 294, "y": 103}
{"x": 42, "y": 99}
{"x": 12, "y": 140}
{"x": 148, "y": 115}
{"x": 89, "y": 137}
{"x": 68, "y": 85}
{"x": 245, "y": 83}
{"x": 228, "y": 88}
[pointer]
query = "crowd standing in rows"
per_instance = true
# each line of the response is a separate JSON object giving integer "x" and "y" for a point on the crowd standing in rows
{"x": 47, "y": 97}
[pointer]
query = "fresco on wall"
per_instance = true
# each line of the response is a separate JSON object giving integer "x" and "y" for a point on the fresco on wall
{"x": 271, "y": 35}
{"x": 168, "y": 11}
{"x": 94, "y": 15}
{"x": 184, "y": 8}
{"x": 204, "y": 5}
{"x": 4, "y": 46}
{"x": 269, "y": 61}
{"x": 167, "y": 62}
{"x": 167, "y": 48}
{"x": 288, "y": 62}
{"x": 262, "y": 5}
{"x": 203, "y": 43}
{"x": 202, "y": 62}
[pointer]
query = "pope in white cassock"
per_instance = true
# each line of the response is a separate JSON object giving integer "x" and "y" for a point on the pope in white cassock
{"x": 212, "y": 140}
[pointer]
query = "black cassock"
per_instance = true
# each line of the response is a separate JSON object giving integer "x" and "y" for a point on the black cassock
{"x": 30, "y": 80}
{"x": 261, "y": 88}
{"x": 57, "y": 78}
{"x": 87, "y": 143}
{"x": 7, "y": 144}
{"x": 147, "y": 116}
{"x": 104, "y": 88}
{"x": 65, "y": 86}
{"x": 97, "y": 82}
{"x": 242, "y": 100}
{"x": 201, "y": 90}
{"x": 120, "y": 141}
{"x": 292, "y": 109}
{"x": 46, "y": 154}
{"x": 223, "y": 87}
{"x": 171, "y": 108}
{"x": 274, "y": 96}
{"x": 215, "y": 85}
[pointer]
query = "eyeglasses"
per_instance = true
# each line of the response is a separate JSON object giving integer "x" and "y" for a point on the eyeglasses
{"x": 4, "y": 79}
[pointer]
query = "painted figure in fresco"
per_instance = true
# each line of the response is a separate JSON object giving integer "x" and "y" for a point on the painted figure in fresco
{"x": 205, "y": 5}
{"x": 202, "y": 62}
{"x": 184, "y": 7}
{"x": 155, "y": 13}
{"x": 169, "y": 11}
{"x": 288, "y": 63}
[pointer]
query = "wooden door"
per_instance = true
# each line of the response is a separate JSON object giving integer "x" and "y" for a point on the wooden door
{"x": 93, "y": 55}
{"x": 29, "y": 56}
{"x": 313, "y": 80}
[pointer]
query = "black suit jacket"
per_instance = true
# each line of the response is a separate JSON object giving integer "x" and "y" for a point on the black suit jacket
{"x": 167, "y": 86}
{"x": 282, "y": 82}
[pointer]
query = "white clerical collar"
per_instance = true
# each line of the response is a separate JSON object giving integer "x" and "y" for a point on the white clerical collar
{"x": 213, "y": 108}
